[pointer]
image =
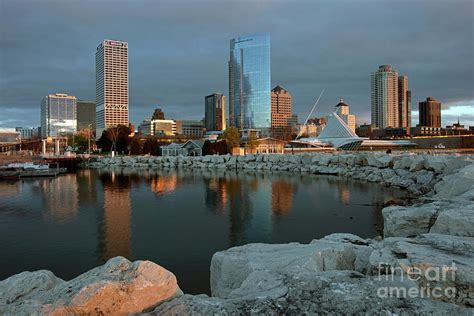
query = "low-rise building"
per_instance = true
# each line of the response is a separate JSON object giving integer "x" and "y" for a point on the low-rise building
{"x": 192, "y": 147}
{"x": 192, "y": 128}
{"x": 266, "y": 145}
{"x": 26, "y": 132}
{"x": 9, "y": 135}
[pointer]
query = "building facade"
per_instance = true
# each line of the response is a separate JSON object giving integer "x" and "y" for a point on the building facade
{"x": 430, "y": 113}
{"x": 281, "y": 107}
{"x": 112, "y": 96}
{"x": 342, "y": 109}
{"x": 249, "y": 82}
{"x": 192, "y": 129}
{"x": 58, "y": 115}
{"x": 26, "y": 132}
{"x": 404, "y": 103}
{"x": 158, "y": 115}
{"x": 384, "y": 97}
{"x": 85, "y": 115}
{"x": 215, "y": 119}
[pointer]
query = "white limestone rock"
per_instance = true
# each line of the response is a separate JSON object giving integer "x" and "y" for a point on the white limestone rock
{"x": 25, "y": 286}
{"x": 457, "y": 221}
{"x": 119, "y": 287}
{"x": 453, "y": 186}
{"x": 239, "y": 266}
{"x": 402, "y": 221}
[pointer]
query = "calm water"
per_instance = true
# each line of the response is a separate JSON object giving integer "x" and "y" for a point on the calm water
{"x": 177, "y": 219}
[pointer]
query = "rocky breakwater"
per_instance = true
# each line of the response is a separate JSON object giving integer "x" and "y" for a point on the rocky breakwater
{"x": 424, "y": 264}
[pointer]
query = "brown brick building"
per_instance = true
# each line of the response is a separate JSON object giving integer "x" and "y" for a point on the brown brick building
{"x": 430, "y": 113}
{"x": 281, "y": 108}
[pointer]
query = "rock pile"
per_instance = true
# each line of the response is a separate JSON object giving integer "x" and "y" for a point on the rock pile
{"x": 415, "y": 173}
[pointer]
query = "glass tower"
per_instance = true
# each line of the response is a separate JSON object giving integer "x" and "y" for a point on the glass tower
{"x": 249, "y": 82}
{"x": 58, "y": 115}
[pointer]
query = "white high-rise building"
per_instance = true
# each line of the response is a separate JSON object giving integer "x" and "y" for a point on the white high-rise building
{"x": 111, "y": 63}
{"x": 342, "y": 109}
{"x": 384, "y": 97}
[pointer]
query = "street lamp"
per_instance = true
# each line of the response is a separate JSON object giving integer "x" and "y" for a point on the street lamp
{"x": 89, "y": 140}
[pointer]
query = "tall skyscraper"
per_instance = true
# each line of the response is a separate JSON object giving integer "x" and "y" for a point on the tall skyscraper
{"x": 85, "y": 115}
{"x": 384, "y": 97}
{"x": 215, "y": 112}
{"x": 430, "y": 113}
{"x": 404, "y": 103}
{"x": 58, "y": 115}
{"x": 249, "y": 81}
{"x": 111, "y": 66}
{"x": 342, "y": 110}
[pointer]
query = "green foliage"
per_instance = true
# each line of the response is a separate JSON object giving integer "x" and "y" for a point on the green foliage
{"x": 252, "y": 142}
{"x": 232, "y": 137}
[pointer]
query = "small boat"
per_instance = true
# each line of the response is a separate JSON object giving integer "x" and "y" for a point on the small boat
{"x": 15, "y": 171}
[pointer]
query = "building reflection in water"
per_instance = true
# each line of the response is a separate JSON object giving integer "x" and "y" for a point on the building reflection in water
{"x": 116, "y": 227}
{"x": 60, "y": 197}
{"x": 282, "y": 197}
{"x": 216, "y": 194}
{"x": 9, "y": 189}
{"x": 344, "y": 195}
{"x": 164, "y": 184}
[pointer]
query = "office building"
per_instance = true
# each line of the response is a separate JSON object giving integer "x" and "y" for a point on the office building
{"x": 215, "y": 119}
{"x": 430, "y": 113}
{"x": 85, "y": 115}
{"x": 26, "y": 132}
{"x": 404, "y": 103}
{"x": 111, "y": 60}
{"x": 9, "y": 135}
{"x": 158, "y": 115}
{"x": 58, "y": 115}
{"x": 158, "y": 127}
{"x": 249, "y": 82}
{"x": 342, "y": 109}
{"x": 281, "y": 107}
{"x": 192, "y": 129}
{"x": 384, "y": 97}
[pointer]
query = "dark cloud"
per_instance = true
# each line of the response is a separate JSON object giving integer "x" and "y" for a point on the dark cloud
{"x": 179, "y": 50}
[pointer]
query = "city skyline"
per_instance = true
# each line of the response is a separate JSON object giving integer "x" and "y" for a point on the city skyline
{"x": 441, "y": 67}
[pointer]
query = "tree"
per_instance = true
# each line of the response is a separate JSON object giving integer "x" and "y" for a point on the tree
{"x": 118, "y": 136}
{"x": 252, "y": 142}
{"x": 232, "y": 137}
{"x": 151, "y": 146}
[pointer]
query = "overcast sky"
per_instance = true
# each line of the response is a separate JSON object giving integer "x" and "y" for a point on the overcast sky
{"x": 178, "y": 51}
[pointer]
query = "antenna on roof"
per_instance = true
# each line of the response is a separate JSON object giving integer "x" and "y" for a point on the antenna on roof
{"x": 312, "y": 110}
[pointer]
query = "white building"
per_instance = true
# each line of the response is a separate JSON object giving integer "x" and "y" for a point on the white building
{"x": 384, "y": 97}
{"x": 111, "y": 62}
{"x": 342, "y": 109}
{"x": 58, "y": 115}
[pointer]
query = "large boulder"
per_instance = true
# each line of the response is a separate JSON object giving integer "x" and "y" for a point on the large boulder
{"x": 453, "y": 186}
{"x": 249, "y": 270}
{"x": 26, "y": 286}
{"x": 406, "y": 221}
{"x": 457, "y": 221}
{"x": 119, "y": 287}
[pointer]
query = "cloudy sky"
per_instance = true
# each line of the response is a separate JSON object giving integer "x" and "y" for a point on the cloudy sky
{"x": 178, "y": 51}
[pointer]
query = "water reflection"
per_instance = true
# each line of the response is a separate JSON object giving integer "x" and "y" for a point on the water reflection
{"x": 60, "y": 197}
{"x": 117, "y": 215}
{"x": 282, "y": 197}
{"x": 179, "y": 219}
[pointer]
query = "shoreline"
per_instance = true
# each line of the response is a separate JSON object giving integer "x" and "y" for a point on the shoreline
{"x": 339, "y": 271}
